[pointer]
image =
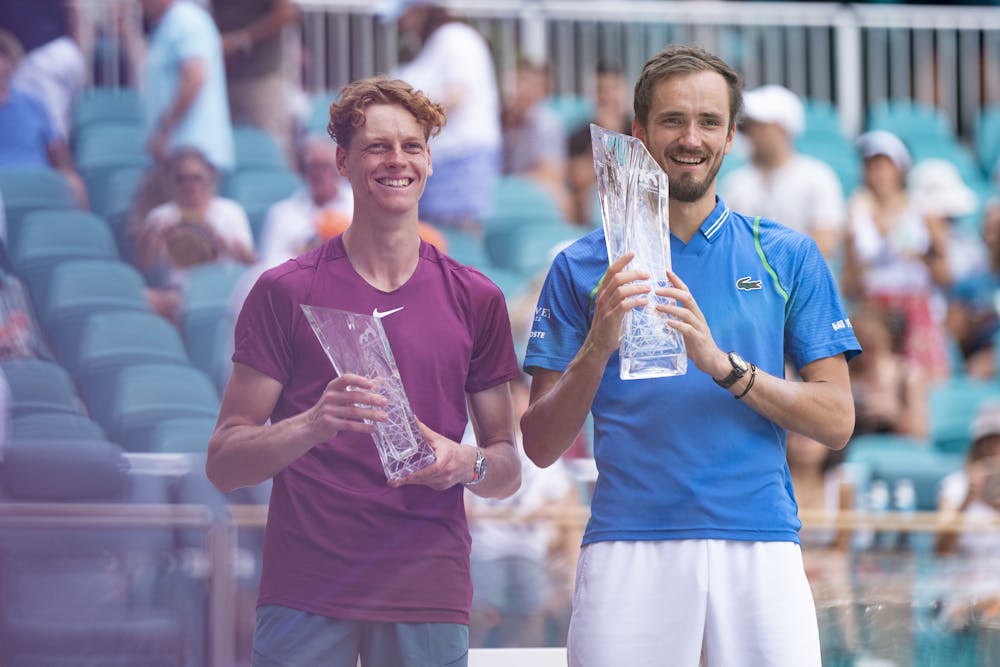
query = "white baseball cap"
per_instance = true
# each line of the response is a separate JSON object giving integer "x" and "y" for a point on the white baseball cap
{"x": 940, "y": 187}
{"x": 775, "y": 104}
{"x": 986, "y": 422}
{"x": 883, "y": 142}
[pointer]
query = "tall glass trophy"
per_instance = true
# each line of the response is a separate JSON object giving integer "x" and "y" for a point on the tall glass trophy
{"x": 633, "y": 193}
{"x": 356, "y": 343}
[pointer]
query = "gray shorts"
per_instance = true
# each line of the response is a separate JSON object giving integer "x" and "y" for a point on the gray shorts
{"x": 286, "y": 637}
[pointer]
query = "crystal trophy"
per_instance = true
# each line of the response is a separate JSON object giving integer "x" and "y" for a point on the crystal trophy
{"x": 633, "y": 193}
{"x": 357, "y": 344}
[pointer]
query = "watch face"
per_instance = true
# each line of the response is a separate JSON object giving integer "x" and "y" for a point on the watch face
{"x": 738, "y": 363}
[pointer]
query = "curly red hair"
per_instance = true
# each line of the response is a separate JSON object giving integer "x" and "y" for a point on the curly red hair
{"x": 348, "y": 113}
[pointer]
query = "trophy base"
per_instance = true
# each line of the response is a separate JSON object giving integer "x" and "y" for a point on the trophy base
{"x": 661, "y": 366}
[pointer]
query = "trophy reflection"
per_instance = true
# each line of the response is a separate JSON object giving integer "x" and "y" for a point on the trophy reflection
{"x": 356, "y": 343}
{"x": 633, "y": 193}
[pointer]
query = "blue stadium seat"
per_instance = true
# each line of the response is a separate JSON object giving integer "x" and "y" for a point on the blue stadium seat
{"x": 55, "y": 426}
{"x": 77, "y": 288}
{"x": 256, "y": 149}
{"x": 527, "y": 247}
{"x": 893, "y": 457}
{"x": 106, "y": 143}
{"x": 465, "y": 247}
{"x": 821, "y": 117}
{"x": 953, "y": 404}
{"x": 31, "y": 189}
{"x": 987, "y": 138}
{"x": 100, "y": 345}
{"x": 837, "y": 152}
{"x": 520, "y": 199}
{"x": 261, "y": 186}
{"x": 50, "y": 237}
{"x": 206, "y": 325}
{"x": 573, "y": 111}
{"x": 83, "y": 594}
{"x": 107, "y": 105}
{"x": 910, "y": 121}
{"x": 184, "y": 435}
{"x": 40, "y": 386}
{"x": 141, "y": 395}
{"x": 122, "y": 186}
{"x": 319, "y": 114}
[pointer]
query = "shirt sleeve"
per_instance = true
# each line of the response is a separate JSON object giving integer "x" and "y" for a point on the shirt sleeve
{"x": 816, "y": 324}
{"x": 562, "y": 320}
{"x": 493, "y": 360}
{"x": 262, "y": 336}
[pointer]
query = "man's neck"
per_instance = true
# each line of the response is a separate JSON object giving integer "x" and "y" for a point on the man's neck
{"x": 384, "y": 253}
{"x": 686, "y": 218}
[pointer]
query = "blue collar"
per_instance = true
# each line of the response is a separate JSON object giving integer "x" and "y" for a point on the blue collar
{"x": 709, "y": 231}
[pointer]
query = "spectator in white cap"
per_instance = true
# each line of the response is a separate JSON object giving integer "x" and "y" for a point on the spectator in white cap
{"x": 938, "y": 187}
{"x": 779, "y": 183}
{"x": 897, "y": 251}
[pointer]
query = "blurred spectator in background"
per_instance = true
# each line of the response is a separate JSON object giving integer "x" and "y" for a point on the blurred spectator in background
{"x": 512, "y": 548}
{"x": 974, "y": 491}
{"x": 896, "y": 253}
{"x": 53, "y": 67}
{"x": 890, "y": 394}
{"x": 612, "y": 110}
{"x": 195, "y": 227}
{"x": 252, "y": 44}
{"x": 821, "y": 485}
{"x": 969, "y": 499}
{"x": 534, "y": 140}
{"x": 453, "y": 65}
{"x": 973, "y": 305}
{"x": 780, "y": 183}
{"x": 315, "y": 213}
{"x": 27, "y": 136}
{"x": 184, "y": 83}
{"x": 937, "y": 186}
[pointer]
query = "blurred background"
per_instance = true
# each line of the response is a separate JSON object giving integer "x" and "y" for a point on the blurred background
{"x": 157, "y": 155}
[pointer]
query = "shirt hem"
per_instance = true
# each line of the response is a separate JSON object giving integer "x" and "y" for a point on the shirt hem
{"x": 692, "y": 534}
{"x": 360, "y": 613}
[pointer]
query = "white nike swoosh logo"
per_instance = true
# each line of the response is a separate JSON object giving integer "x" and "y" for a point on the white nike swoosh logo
{"x": 377, "y": 315}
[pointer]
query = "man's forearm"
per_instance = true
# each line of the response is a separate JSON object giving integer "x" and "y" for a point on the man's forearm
{"x": 557, "y": 412}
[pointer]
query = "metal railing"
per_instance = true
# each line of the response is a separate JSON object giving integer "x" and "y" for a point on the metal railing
{"x": 221, "y": 539}
{"x": 853, "y": 56}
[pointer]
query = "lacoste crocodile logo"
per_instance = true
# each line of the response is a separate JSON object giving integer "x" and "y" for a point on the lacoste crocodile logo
{"x": 746, "y": 284}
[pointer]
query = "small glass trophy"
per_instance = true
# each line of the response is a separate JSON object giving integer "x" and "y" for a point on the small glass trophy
{"x": 357, "y": 344}
{"x": 633, "y": 193}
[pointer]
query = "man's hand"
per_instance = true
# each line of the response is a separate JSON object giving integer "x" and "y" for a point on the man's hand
{"x": 689, "y": 321}
{"x": 345, "y": 404}
{"x": 618, "y": 293}
{"x": 454, "y": 465}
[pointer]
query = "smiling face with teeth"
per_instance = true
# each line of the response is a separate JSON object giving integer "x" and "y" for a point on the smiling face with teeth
{"x": 387, "y": 162}
{"x": 688, "y": 132}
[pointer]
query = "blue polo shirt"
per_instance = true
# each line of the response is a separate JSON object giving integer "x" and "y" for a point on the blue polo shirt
{"x": 678, "y": 457}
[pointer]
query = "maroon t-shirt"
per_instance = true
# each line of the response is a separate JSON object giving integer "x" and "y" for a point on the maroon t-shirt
{"x": 339, "y": 541}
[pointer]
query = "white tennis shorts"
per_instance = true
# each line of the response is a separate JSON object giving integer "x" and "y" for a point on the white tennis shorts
{"x": 717, "y": 603}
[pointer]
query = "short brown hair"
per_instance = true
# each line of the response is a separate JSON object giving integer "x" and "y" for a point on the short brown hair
{"x": 677, "y": 60}
{"x": 348, "y": 113}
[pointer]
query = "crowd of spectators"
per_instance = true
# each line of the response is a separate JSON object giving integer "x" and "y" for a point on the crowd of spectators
{"x": 924, "y": 289}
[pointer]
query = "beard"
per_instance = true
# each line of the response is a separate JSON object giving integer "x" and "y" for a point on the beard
{"x": 689, "y": 188}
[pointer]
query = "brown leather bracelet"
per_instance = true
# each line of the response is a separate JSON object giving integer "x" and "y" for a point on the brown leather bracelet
{"x": 753, "y": 376}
